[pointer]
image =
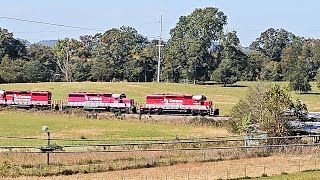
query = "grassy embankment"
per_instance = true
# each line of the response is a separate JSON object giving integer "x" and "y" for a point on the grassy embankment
{"x": 67, "y": 127}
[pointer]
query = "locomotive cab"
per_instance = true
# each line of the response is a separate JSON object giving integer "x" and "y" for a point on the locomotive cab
{"x": 199, "y": 97}
{"x": 119, "y": 97}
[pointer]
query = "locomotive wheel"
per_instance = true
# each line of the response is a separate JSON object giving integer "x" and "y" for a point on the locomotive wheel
{"x": 141, "y": 111}
{"x": 134, "y": 110}
{"x": 160, "y": 111}
{"x": 151, "y": 111}
{"x": 194, "y": 113}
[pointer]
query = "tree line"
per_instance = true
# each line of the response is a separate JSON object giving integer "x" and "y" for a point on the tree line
{"x": 199, "y": 49}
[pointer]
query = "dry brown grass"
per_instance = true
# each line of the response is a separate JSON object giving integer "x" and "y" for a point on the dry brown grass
{"x": 251, "y": 167}
{"x": 218, "y": 163}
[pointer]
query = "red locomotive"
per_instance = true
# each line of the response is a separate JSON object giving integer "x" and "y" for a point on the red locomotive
{"x": 101, "y": 101}
{"x": 176, "y": 103}
{"x": 26, "y": 99}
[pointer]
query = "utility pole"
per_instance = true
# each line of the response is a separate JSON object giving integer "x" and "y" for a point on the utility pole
{"x": 159, "y": 45}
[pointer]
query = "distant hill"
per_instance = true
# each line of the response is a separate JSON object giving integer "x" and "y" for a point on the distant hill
{"x": 49, "y": 43}
{"x": 26, "y": 42}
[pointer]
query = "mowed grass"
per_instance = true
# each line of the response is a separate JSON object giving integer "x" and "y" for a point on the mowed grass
{"x": 312, "y": 175}
{"x": 25, "y": 124}
{"x": 224, "y": 97}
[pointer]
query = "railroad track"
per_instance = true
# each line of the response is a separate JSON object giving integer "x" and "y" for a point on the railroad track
{"x": 170, "y": 117}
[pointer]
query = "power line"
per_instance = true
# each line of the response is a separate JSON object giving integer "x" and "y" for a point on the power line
{"x": 51, "y": 24}
{"x": 33, "y": 32}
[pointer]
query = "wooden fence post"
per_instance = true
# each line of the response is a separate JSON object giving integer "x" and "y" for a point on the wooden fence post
{"x": 245, "y": 170}
{"x": 228, "y": 172}
{"x": 207, "y": 171}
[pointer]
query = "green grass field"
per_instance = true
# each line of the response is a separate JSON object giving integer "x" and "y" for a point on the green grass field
{"x": 224, "y": 97}
{"x": 24, "y": 124}
{"x": 312, "y": 175}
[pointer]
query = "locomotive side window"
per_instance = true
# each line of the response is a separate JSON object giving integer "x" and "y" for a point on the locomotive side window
{"x": 39, "y": 94}
{"x": 76, "y": 95}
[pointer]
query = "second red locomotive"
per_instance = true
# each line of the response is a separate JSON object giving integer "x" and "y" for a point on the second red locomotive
{"x": 101, "y": 101}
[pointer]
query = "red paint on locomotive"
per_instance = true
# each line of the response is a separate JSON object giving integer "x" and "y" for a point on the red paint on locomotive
{"x": 26, "y": 99}
{"x": 177, "y": 103}
{"x": 100, "y": 101}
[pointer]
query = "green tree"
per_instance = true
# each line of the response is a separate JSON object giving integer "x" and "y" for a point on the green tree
{"x": 312, "y": 54}
{"x": 10, "y": 46}
{"x": 45, "y": 57}
{"x": 271, "y": 71}
{"x": 249, "y": 110}
{"x": 187, "y": 53}
{"x": 254, "y": 66}
{"x": 277, "y": 100}
{"x": 81, "y": 71}
{"x": 318, "y": 79}
{"x": 34, "y": 71}
{"x": 233, "y": 63}
{"x": 263, "y": 106}
{"x": 299, "y": 80}
{"x": 272, "y": 41}
{"x": 120, "y": 48}
{"x": 12, "y": 70}
{"x": 67, "y": 51}
{"x": 102, "y": 69}
{"x": 148, "y": 60}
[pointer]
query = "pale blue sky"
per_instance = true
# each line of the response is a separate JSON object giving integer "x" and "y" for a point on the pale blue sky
{"x": 248, "y": 17}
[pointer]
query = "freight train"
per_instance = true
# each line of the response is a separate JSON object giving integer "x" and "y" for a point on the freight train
{"x": 154, "y": 103}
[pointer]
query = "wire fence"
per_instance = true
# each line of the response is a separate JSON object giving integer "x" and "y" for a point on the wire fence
{"x": 207, "y": 164}
{"x": 223, "y": 158}
{"x": 251, "y": 167}
{"x": 241, "y": 142}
